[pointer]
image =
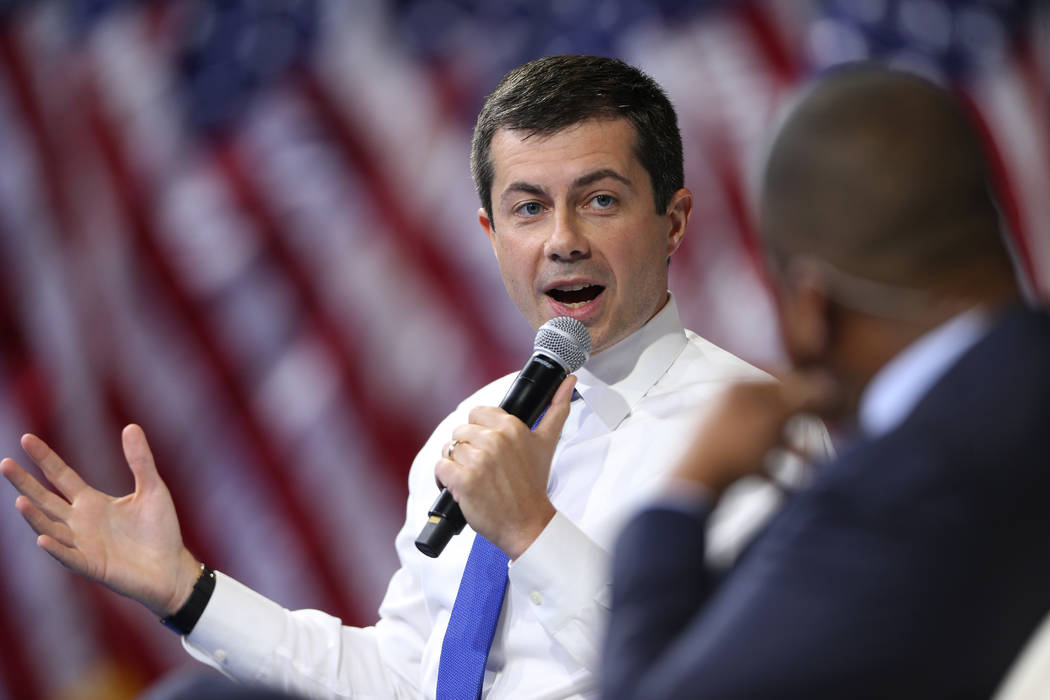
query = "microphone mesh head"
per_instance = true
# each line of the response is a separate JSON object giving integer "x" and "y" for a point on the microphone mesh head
{"x": 565, "y": 340}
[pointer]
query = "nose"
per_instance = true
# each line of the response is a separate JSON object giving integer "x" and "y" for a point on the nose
{"x": 567, "y": 242}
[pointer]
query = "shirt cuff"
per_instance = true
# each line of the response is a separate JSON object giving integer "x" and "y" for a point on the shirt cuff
{"x": 564, "y": 575}
{"x": 238, "y": 630}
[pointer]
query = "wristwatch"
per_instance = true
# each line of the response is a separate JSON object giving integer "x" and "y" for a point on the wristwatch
{"x": 183, "y": 619}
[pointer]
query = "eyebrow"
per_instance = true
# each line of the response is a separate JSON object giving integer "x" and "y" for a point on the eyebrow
{"x": 582, "y": 181}
{"x": 591, "y": 178}
{"x": 525, "y": 187}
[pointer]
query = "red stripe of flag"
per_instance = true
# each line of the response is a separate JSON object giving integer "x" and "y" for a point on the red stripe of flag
{"x": 268, "y": 457}
{"x": 415, "y": 246}
{"x": 30, "y": 398}
{"x": 387, "y": 429}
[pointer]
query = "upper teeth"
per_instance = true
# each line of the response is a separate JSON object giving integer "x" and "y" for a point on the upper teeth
{"x": 573, "y": 288}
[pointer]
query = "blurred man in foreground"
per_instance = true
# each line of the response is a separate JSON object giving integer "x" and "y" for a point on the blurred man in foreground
{"x": 914, "y": 565}
{"x": 578, "y": 165}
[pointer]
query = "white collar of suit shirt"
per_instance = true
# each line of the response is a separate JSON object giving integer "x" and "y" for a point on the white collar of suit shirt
{"x": 902, "y": 382}
{"x": 615, "y": 380}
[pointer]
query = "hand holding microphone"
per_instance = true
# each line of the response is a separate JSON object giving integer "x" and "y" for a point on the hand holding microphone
{"x": 562, "y": 346}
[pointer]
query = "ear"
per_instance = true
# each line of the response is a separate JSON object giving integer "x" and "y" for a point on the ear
{"x": 487, "y": 227}
{"x": 678, "y": 212}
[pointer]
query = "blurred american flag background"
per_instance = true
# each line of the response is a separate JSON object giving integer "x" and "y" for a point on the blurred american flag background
{"x": 249, "y": 226}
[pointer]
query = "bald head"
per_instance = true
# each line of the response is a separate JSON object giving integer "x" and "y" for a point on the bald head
{"x": 881, "y": 174}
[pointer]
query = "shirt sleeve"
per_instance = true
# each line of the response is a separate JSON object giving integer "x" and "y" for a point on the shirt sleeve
{"x": 564, "y": 575}
{"x": 253, "y": 639}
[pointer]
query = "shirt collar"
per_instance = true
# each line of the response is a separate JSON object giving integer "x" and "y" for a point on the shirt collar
{"x": 614, "y": 380}
{"x": 896, "y": 389}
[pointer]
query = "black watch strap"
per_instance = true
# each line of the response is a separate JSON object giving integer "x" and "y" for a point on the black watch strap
{"x": 183, "y": 619}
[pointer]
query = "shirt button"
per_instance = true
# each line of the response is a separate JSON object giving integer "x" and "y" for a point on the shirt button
{"x": 220, "y": 655}
{"x": 536, "y": 598}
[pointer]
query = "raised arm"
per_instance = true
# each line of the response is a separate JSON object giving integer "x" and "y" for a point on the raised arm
{"x": 131, "y": 544}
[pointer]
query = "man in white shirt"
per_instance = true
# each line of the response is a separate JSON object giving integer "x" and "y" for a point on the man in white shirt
{"x": 578, "y": 164}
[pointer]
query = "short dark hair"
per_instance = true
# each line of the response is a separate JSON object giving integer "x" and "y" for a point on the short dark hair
{"x": 552, "y": 93}
{"x": 883, "y": 174}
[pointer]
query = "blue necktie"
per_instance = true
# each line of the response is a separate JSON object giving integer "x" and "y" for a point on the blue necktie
{"x": 472, "y": 624}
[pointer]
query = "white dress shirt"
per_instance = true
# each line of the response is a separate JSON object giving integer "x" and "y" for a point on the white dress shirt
{"x": 641, "y": 401}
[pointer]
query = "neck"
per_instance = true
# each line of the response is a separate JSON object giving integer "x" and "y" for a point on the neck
{"x": 867, "y": 343}
{"x": 659, "y": 307}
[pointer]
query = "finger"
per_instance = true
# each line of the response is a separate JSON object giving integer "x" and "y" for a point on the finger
{"x": 448, "y": 450}
{"x": 467, "y": 454}
{"x": 490, "y": 417}
{"x": 482, "y": 437}
{"x": 67, "y": 481}
{"x": 140, "y": 458}
{"x": 793, "y": 448}
{"x": 554, "y": 419}
{"x": 41, "y": 524}
{"x": 807, "y": 439}
{"x": 447, "y": 473}
{"x": 67, "y": 556}
{"x": 52, "y": 505}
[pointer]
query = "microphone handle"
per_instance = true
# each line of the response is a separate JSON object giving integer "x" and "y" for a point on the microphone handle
{"x": 527, "y": 399}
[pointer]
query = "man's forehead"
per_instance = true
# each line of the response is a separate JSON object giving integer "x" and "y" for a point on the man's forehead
{"x": 535, "y": 136}
{"x": 574, "y": 151}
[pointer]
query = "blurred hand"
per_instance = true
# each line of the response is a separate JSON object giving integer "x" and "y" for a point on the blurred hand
{"x": 499, "y": 472}
{"x": 747, "y": 422}
{"x": 132, "y": 544}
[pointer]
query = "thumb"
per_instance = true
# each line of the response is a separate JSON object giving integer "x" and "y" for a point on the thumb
{"x": 140, "y": 458}
{"x": 554, "y": 419}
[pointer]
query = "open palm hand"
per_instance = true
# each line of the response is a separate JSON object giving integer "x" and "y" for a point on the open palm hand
{"x": 131, "y": 543}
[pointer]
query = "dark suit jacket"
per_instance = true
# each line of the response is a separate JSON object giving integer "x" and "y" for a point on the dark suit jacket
{"x": 915, "y": 566}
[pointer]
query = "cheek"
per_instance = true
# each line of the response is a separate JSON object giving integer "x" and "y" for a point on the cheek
{"x": 515, "y": 270}
{"x": 643, "y": 268}
{"x": 511, "y": 264}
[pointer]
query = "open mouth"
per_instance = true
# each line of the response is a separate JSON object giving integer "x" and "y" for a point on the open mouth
{"x": 577, "y": 295}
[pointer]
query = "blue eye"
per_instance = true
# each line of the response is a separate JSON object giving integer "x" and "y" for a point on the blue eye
{"x": 603, "y": 201}
{"x": 531, "y": 208}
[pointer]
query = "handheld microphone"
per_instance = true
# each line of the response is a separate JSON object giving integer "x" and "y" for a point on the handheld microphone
{"x": 562, "y": 346}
